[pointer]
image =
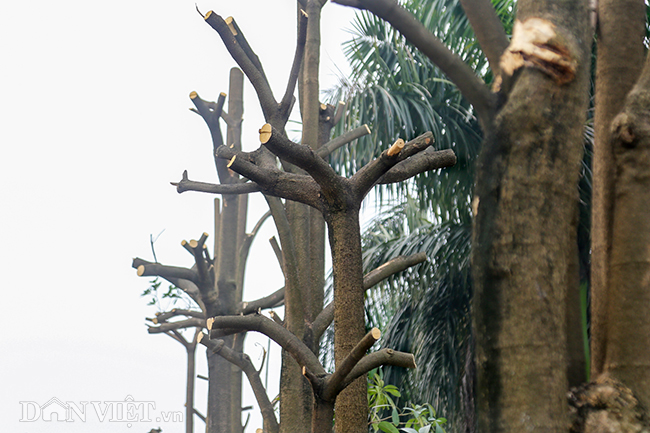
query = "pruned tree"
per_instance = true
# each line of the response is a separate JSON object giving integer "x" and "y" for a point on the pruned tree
{"x": 306, "y": 179}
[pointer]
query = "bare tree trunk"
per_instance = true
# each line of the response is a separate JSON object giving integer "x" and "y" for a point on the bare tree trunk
{"x": 627, "y": 354}
{"x": 349, "y": 321}
{"x": 525, "y": 234}
{"x": 621, "y": 29}
{"x": 189, "y": 390}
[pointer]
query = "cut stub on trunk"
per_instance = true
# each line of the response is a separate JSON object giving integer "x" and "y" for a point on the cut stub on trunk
{"x": 536, "y": 44}
{"x": 606, "y": 406}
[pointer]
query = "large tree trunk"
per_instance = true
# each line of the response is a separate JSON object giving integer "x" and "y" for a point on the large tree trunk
{"x": 621, "y": 29}
{"x": 349, "y": 321}
{"x": 525, "y": 234}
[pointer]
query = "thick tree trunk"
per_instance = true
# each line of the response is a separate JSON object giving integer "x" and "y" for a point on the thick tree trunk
{"x": 219, "y": 417}
{"x": 349, "y": 321}
{"x": 525, "y": 233}
{"x": 621, "y": 29}
{"x": 627, "y": 354}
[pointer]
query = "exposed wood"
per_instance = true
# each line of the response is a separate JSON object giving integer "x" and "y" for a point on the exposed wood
{"x": 396, "y": 147}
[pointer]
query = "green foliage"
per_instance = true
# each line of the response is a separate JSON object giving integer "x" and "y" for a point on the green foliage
{"x": 173, "y": 294}
{"x": 413, "y": 418}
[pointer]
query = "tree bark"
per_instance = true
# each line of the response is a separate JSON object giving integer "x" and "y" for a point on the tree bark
{"x": 621, "y": 29}
{"x": 349, "y": 320}
{"x": 524, "y": 233}
{"x": 627, "y": 354}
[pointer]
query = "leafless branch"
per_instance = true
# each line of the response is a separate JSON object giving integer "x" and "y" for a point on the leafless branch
{"x": 287, "y": 340}
{"x": 425, "y": 161}
{"x": 243, "y": 361}
{"x": 369, "y": 174}
{"x": 238, "y": 53}
{"x": 377, "y": 359}
{"x": 342, "y": 140}
{"x": 273, "y": 300}
{"x": 488, "y": 30}
{"x": 333, "y": 383}
{"x": 232, "y": 188}
{"x": 181, "y": 324}
{"x": 287, "y": 99}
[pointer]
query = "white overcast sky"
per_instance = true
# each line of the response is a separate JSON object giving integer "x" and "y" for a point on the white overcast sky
{"x": 94, "y": 124}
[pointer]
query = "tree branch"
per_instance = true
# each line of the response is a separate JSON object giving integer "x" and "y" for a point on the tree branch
{"x": 233, "y": 188}
{"x": 163, "y": 317}
{"x": 300, "y": 155}
{"x": 333, "y": 382}
{"x": 288, "y": 341}
{"x": 287, "y": 99}
{"x": 196, "y": 249}
{"x": 243, "y": 361}
{"x": 488, "y": 30}
{"x": 451, "y": 64}
{"x": 255, "y": 75}
{"x": 368, "y": 175}
{"x": 377, "y": 359}
{"x": 181, "y": 324}
{"x": 245, "y": 247}
{"x": 272, "y": 181}
{"x": 425, "y": 161}
{"x": 342, "y": 140}
{"x": 158, "y": 270}
{"x": 273, "y": 300}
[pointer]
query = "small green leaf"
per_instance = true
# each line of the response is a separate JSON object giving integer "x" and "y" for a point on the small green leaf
{"x": 409, "y": 430}
{"x": 387, "y": 427}
{"x": 395, "y": 416}
{"x": 439, "y": 429}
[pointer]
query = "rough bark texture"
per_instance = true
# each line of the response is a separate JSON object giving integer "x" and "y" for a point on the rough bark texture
{"x": 524, "y": 234}
{"x": 627, "y": 354}
{"x": 349, "y": 320}
{"x": 621, "y": 28}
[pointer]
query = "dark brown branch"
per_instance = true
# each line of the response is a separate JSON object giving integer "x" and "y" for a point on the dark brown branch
{"x": 200, "y": 415}
{"x": 255, "y": 75}
{"x": 187, "y": 286}
{"x": 373, "y": 277}
{"x": 287, "y": 340}
{"x": 425, "y": 161}
{"x": 299, "y": 155}
{"x": 245, "y": 247}
{"x": 488, "y": 30}
{"x": 377, "y": 359}
{"x": 243, "y": 361}
{"x": 277, "y": 250}
{"x": 338, "y": 115}
{"x": 333, "y": 383}
{"x": 272, "y": 181}
{"x": 245, "y": 46}
{"x": 211, "y": 112}
{"x": 181, "y": 324}
{"x": 451, "y": 64}
{"x": 273, "y": 300}
{"x": 163, "y": 317}
{"x": 233, "y": 188}
{"x": 288, "y": 98}
{"x": 369, "y": 174}
{"x": 158, "y": 270}
{"x": 342, "y": 140}
{"x": 196, "y": 249}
